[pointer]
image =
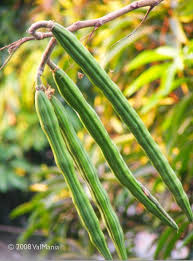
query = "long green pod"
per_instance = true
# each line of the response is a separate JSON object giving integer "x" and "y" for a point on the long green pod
{"x": 89, "y": 173}
{"x": 90, "y": 119}
{"x": 50, "y": 126}
{"x": 120, "y": 104}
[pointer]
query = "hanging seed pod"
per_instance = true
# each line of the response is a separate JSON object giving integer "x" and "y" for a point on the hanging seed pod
{"x": 89, "y": 174}
{"x": 128, "y": 115}
{"x": 90, "y": 119}
{"x": 50, "y": 126}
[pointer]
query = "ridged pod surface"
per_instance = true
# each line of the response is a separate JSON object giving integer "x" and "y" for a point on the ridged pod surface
{"x": 50, "y": 126}
{"x": 120, "y": 104}
{"x": 90, "y": 119}
{"x": 89, "y": 173}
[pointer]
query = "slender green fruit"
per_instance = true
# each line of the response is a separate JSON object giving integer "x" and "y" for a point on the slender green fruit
{"x": 89, "y": 173}
{"x": 120, "y": 104}
{"x": 50, "y": 126}
{"x": 90, "y": 119}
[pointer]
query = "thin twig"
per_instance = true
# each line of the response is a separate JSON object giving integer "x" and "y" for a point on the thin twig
{"x": 17, "y": 43}
{"x": 90, "y": 35}
{"x": 135, "y": 30}
{"x": 12, "y": 48}
{"x": 6, "y": 61}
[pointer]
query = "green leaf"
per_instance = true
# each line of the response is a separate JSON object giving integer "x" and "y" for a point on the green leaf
{"x": 168, "y": 239}
{"x": 185, "y": 9}
{"x": 23, "y": 209}
{"x": 151, "y": 74}
{"x": 33, "y": 224}
{"x": 149, "y": 56}
{"x": 176, "y": 119}
{"x": 188, "y": 239}
{"x": 171, "y": 244}
{"x": 165, "y": 88}
{"x": 162, "y": 242}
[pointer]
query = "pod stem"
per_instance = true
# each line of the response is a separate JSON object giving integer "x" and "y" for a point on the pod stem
{"x": 52, "y": 65}
{"x": 45, "y": 57}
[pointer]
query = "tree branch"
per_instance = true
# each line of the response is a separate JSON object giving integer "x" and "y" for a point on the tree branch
{"x": 96, "y": 23}
{"x": 93, "y": 22}
{"x": 42, "y": 24}
{"x": 111, "y": 16}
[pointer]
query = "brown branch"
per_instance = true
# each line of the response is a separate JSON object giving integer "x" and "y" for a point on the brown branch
{"x": 111, "y": 16}
{"x": 96, "y": 23}
{"x": 42, "y": 24}
{"x": 93, "y": 22}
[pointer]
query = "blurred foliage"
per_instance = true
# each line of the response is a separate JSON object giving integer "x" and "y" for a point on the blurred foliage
{"x": 153, "y": 68}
